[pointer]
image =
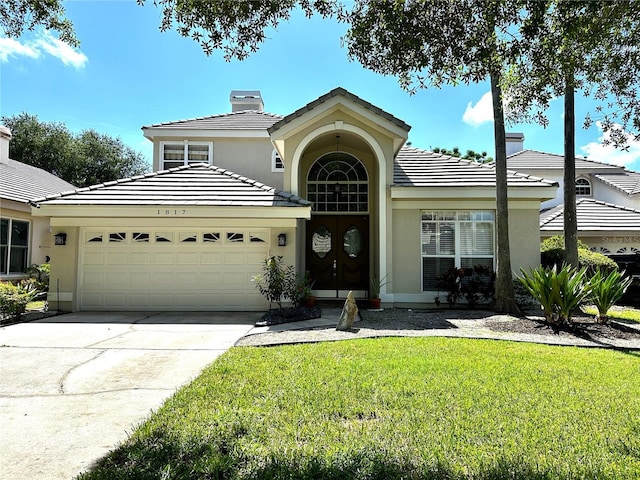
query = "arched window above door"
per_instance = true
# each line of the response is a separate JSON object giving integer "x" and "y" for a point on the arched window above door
{"x": 338, "y": 182}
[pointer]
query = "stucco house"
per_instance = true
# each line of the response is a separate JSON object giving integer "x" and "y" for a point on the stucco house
{"x": 331, "y": 187}
{"x": 607, "y": 199}
{"x": 24, "y": 239}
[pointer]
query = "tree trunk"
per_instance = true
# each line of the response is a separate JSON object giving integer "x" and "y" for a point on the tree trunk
{"x": 505, "y": 297}
{"x": 570, "y": 218}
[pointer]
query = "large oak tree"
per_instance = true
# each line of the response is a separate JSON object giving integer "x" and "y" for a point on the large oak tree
{"x": 83, "y": 159}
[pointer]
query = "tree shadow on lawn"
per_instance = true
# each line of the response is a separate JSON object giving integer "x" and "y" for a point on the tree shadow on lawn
{"x": 165, "y": 456}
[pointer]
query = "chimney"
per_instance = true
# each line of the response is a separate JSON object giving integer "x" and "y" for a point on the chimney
{"x": 246, "y": 100}
{"x": 5, "y": 137}
{"x": 515, "y": 143}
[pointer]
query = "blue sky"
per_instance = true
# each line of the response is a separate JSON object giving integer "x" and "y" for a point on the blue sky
{"x": 127, "y": 74}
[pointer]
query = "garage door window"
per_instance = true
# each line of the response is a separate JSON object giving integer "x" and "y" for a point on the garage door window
{"x": 211, "y": 237}
{"x": 182, "y": 238}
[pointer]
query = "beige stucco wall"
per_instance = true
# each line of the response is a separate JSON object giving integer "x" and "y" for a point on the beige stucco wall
{"x": 41, "y": 240}
{"x": 64, "y": 270}
{"x": 406, "y": 265}
{"x": 250, "y": 157}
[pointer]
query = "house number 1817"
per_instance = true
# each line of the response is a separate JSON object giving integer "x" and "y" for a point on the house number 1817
{"x": 171, "y": 212}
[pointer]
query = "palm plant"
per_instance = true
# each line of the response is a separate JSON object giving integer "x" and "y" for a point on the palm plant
{"x": 607, "y": 290}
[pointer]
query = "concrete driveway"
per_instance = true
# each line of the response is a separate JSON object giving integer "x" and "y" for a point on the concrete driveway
{"x": 73, "y": 386}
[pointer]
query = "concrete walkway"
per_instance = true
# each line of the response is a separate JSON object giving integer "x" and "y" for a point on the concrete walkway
{"x": 73, "y": 386}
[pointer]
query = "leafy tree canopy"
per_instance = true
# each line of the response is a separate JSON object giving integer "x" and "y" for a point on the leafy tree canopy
{"x": 590, "y": 45}
{"x": 235, "y": 27}
{"x": 83, "y": 159}
{"x": 18, "y": 15}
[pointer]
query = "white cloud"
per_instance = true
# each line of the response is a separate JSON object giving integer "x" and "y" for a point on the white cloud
{"x": 629, "y": 157}
{"x": 61, "y": 50}
{"x": 48, "y": 44}
{"x": 481, "y": 113}
{"x": 13, "y": 48}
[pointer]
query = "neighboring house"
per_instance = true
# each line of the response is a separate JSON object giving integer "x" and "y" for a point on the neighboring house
{"x": 24, "y": 239}
{"x": 603, "y": 193}
{"x": 607, "y": 228}
{"x": 347, "y": 201}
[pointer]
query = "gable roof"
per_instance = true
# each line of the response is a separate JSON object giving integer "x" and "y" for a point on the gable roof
{"x": 593, "y": 215}
{"x": 338, "y": 92}
{"x": 241, "y": 120}
{"x": 190, "y": 185}
{"x": 536, "y": 160}
{"x": 21, "y": 182}
{"x": 626, "y": 181}
{"x": 414, "y": 167}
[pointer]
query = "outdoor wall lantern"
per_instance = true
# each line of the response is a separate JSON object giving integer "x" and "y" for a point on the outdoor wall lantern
{"x": 60, "y": 238}
{"x": 282, "y": 240}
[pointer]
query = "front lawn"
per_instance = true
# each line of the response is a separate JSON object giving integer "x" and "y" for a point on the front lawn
{"x": 431, "y": 408}
{"x": 620, "y": 313}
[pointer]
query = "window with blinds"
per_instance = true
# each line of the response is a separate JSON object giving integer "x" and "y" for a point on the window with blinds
{"x": 455, "y": 239}
{"x": 186, "y": 153}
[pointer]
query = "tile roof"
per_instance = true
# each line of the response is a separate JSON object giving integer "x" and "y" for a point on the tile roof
{"x": 191, "y": 185}
{"x": 337, "y": 92}
{"x": 626, "y": 181}
{"x": 593, "y": 215}
{"x": 533, "y": 159}
{"x": 242, "y": 120}
{"x": 420, "y": 168}
{"x": 21, "y": 182}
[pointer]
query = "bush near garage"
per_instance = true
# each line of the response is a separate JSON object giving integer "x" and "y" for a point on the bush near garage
{"x": 15, "y": 298}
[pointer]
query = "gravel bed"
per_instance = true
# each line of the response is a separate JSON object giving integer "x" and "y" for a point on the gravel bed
{"x": 459, "y": 323}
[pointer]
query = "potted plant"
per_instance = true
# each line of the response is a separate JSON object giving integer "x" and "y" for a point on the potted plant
{"x": 305, "y": 293}
{"x": 374, "y": 293}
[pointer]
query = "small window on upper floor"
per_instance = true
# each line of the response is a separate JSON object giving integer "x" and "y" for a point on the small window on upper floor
{"x": 177, "y": 154}
{"x": 583, "y": 187}
{"x": 276, "y": 162}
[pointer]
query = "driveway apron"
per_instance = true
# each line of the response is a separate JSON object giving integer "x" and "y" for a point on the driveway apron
{"x": 72, "y": 387}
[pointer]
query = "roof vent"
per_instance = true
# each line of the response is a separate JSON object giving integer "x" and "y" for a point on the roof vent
{"x": 515, "y": 142}
{"x": 246, "y": 100}
{"x": 5, "y": 138}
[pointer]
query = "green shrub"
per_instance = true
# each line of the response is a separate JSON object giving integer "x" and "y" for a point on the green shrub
{"x": 560, "y": 293}
{"x": 474, "y": 284}
{"x": 552, "y": 254}
{"x": 607, "y": 290}
{"x": 557, "y": 242}
{"x": 14, "y": 299}
{"x": 595, "y": 262}
{"x": 275, "y": 282}
{"x": 40, "y": 274}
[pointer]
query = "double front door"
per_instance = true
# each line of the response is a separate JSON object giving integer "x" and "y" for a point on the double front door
{"x": 338, "y": 254}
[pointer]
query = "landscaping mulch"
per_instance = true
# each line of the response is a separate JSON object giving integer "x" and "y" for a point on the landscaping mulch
{"x": 582, "y": 327}
{"x": 277, "y": 316}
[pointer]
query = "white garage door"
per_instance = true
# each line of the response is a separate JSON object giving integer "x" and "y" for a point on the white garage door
{"x": 171, "y": 269}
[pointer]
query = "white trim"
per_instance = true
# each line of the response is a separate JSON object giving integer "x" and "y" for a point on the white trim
{"x": 185, "y": 143}
{"x": 180, "y": 133}
{"x": 382, "y": 180}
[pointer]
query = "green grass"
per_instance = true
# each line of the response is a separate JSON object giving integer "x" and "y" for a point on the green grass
{"x": 621, "y": 313}
{"x": 37, "y": 305}
{"x": 431, "y": 408}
